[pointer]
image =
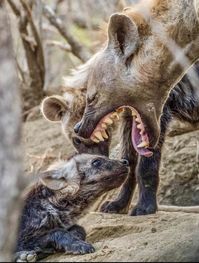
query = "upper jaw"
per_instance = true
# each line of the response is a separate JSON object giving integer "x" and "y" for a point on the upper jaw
{"x": 89, "y": 123}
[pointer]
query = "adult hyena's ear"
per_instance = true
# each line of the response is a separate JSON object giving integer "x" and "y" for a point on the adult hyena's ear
{"x": 123, "y": 35}
{"x": 64, "y": 178}
{"x": 54, "y": 107}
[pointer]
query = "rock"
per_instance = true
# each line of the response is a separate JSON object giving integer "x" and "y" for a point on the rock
{"x": 179, "y": 173}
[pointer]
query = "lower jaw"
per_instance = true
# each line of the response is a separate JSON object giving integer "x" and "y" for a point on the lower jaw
{"x": 139, "y": 137}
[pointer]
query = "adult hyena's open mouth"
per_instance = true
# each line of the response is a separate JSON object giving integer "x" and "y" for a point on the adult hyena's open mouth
{"x": 139, "y": 135}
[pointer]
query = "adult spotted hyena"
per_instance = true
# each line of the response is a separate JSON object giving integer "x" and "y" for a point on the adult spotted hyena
{"x": 183, "y": 103}
{"x": 149, "y": 48}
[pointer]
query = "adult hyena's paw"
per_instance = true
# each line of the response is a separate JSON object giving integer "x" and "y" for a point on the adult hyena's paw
{"x": 112, "y": 207}
{"x": 141, "y": 210}
{"x": 81, "y": 248}
{"x": 26, "y": 256}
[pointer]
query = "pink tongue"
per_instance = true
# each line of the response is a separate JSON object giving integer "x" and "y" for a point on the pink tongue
{"x": 136, "y": 140}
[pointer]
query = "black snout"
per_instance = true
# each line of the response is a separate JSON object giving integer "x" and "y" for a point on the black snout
{"x": 77, "y": 127}
{"x": 125, "y": 162}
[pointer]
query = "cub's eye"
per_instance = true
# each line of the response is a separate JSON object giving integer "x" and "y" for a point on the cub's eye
{"x": 96, "y": 163}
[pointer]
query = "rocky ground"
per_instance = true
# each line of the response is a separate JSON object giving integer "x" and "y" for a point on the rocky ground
{"x": 161, "y": 237}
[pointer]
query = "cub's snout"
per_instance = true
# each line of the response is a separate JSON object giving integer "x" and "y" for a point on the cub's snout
{"x": 108, "y": 174}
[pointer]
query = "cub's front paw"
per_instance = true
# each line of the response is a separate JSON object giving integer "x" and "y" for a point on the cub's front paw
{"x": 81, "y": 248}
{"x": 26, "y": 256}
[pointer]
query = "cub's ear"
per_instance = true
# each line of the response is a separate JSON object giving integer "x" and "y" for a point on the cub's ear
{"x": 54, "y": 107}
{"x": 123, "y": 35}
{"x": 50, "y": 180}
{"x": 64, "y": 178}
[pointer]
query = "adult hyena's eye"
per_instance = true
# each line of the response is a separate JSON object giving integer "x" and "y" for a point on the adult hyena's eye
{"x": 76, "y": 141}
{"x": 92, "y": 98}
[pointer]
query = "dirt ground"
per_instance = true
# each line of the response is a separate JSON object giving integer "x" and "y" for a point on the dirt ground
{"x": 161, "y": 237}
{"x": 165, "y": 237}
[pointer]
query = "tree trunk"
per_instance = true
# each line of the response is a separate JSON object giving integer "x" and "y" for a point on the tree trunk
{"x": 10, "y": 135}
{"x": 33, "y": 84}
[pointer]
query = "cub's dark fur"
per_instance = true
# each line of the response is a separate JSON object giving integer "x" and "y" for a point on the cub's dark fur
{"x": 52, "y": 207}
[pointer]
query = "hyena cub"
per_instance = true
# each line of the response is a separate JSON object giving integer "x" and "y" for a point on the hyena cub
{"x": 68, "y": 110}
{"x": 54, "y": 204}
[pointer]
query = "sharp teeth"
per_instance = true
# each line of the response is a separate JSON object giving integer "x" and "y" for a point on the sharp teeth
{"x": 95, "y": 140}
{"x": 139, "y": 126}
{"x": 108, "y": 121}
{"x": 141, "y": 132}
{"x": 143, "y": 144}
{"x": 104, "y": 126}
{"x": 98, "y": 135}
{"x": 115, "y": 116}
{"x": 134, "y": 114}
{"x": 104, "y": 134}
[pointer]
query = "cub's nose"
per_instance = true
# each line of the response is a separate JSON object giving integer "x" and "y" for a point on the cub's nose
{"x": 125, "y": 162}
{"x": 77, "y": 127}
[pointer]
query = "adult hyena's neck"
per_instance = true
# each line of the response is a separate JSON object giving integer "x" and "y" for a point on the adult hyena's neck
{"x": 172, "y": 22}
{"x": 175, "y": 24}
{"x": 179, "y": 20}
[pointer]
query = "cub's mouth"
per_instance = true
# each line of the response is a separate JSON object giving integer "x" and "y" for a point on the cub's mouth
{"x": 139, "y": 136}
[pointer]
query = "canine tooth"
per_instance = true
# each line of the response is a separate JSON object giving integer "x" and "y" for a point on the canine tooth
{"x": 108, "y": 121}
{"x": 104, "y": 134}
{"x": 95, "y": 139}
{"x": 99, "y": 136}
{"x": 143, "y": 144}
{"x": 133, "y": 114}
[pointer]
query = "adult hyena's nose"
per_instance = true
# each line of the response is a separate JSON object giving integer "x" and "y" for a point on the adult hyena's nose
{"x": 77, "y": 127}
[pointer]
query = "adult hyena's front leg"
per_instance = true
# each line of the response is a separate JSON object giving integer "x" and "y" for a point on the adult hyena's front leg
{"x": 123, "y": 200}
{"x": 148, "y": 180}
{"x": 148, "y": 174}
